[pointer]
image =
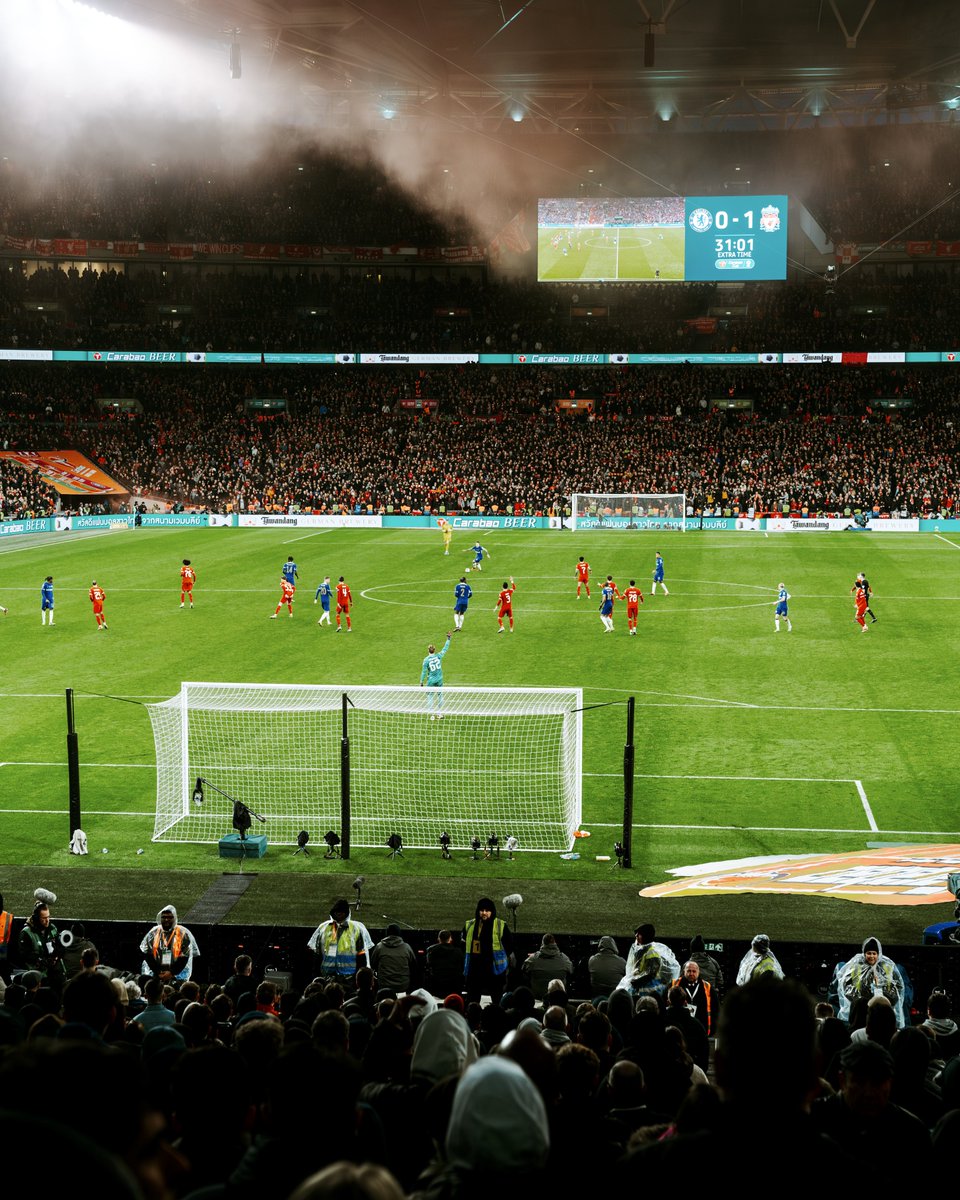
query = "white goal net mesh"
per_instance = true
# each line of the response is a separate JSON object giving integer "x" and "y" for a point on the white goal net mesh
{"x": 595, "y": 510}
{"x": 469, "y": 761}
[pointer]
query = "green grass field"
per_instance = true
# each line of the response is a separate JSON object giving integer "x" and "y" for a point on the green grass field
{"x": 748, "y": 742}
{"x": 625, "y": 254}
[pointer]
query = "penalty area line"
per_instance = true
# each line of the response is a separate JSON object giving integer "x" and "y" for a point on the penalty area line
{"x": 935, "y": 833}
{"x": 955, "y": 545}
{"x": 866, "y": 805}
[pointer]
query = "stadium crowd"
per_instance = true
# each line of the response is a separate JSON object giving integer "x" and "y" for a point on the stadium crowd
{"x": 248, "y": 309}
{"x": 353, "y": 439}
{"x": 165, "y": 1088}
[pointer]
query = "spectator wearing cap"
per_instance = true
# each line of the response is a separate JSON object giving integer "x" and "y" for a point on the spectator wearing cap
{"x": 545, "y": 965}
{"x": 394, "y": 962}
{"x": 863, "y": 1120}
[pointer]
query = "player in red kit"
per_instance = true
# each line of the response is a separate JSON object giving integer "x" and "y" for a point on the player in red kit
{"x": 504, "y": 605}
{"x": 344, "y": 600}
{"x": 188, "y": 577}
{"x": 97, "y": 597}
{"x": 861, "y": 602}
{"x": 286, "y": 598}
{"x": 583, "y": 576}
{"x": 634, "y": 598}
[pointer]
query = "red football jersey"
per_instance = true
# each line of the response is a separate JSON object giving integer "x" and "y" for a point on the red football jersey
{"x": 583, "y": 571}
{"x": 188, "y": 575}
{"x": 288, "y": 590}
{"x": 343, "y": 595}
{"x": 506, "y": 596}
{"x": 633, "y": 597}
{"x": 97, "y": 595}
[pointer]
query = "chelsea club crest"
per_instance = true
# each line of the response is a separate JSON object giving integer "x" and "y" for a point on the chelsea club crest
{"x": 700, "y": 220}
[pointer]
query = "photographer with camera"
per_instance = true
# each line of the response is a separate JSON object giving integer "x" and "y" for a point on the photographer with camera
{"x": 40, "y": 948}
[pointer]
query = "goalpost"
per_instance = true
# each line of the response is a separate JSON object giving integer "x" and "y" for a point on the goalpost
{"x": 472, "y": 762}
{"x": 631, "y": 510}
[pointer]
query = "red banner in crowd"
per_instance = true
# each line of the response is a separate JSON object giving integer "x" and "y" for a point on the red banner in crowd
{"x": 70, "y": 472}
{"x": 261, "y": 250}
{"x": 948, "y": 249}
{"x": 702, "y": 324}
{"x": 219, "y": 249}
{"x": 919, "y": 247}
{"x": 82, "y": 248}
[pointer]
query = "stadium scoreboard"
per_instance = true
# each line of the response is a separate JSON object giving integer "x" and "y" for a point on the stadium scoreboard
{"x": 675, "y": 238}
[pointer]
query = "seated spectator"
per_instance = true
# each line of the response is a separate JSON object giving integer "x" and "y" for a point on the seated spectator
{"x": 607, "y": 967}
{"x": 545, "y": 965}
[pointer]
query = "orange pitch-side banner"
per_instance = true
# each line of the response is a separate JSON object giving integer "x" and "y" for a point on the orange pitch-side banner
{"x": 70, "y": 472}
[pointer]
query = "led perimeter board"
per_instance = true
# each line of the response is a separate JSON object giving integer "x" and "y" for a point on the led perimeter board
{"x": 662, "y": 239}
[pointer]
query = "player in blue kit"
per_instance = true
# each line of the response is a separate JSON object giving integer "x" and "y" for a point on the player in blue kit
{"x": 46, "y": 600}
{"x": 461, "y": 598}
{"x": 323, "y": 594}
{"x": 289, "y": 571}
{"x": 608, "y": 594}
{"x": 781, "y": 610}
{"x": 431, "y": 674}
{"x": 658, "y": 576}
{"x": 479, "y": 553}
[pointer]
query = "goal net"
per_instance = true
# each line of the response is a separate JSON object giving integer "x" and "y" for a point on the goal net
{"x": 469, "y": 761}
{"x": 593, "y": 510}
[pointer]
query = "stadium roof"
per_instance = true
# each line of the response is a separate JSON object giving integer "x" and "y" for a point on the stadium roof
{"x": 593, "y": 67}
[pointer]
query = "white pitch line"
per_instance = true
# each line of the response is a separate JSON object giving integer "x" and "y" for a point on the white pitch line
{"x": 736, "y": 778}
{"x": 866, "y": 804}
{"x": 937, "y": 833}
{"x": 955, "y": 545}
{"x": 60, "y": 812}
{"x": 304, "y": 536}
{"x": 85, "y": 765}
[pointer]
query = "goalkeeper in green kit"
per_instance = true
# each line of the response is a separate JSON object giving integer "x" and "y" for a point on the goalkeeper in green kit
{"x": 431, "y": 674}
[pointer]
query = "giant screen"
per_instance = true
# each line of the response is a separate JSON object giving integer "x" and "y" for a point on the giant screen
{"x": 666, "y": 238}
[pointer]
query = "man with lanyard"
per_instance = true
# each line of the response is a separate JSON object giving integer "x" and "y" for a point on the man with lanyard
{"x": 341, "y": 944}
{"x": 698, "y": 992}
{"x": 169, "y": 948}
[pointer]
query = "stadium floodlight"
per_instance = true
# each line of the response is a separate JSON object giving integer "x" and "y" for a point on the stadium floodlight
{"x": 395, "y": 842}
{"x": 633, "y": 510}
{"x": 333, "y": 844}
{"x": 302, "y": 838}
{"x": 445, "y": 841}
{"x": 278, "y": 748}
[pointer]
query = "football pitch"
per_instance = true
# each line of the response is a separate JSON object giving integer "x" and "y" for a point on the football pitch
{"x": 624, "y": 253}
{"x": 748, "y": 742}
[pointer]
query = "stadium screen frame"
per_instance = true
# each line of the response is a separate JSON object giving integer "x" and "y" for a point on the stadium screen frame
{"x": 662, "y": 239}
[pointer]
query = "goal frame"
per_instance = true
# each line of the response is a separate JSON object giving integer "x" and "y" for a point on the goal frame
{"x": 628, "y": 511}
{"x": 343, "y": 785}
